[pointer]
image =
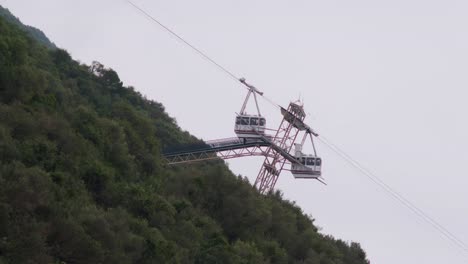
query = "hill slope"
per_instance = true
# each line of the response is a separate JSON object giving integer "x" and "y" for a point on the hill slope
{"x": 31, "y": 31}
{"x": 82, "y": 179}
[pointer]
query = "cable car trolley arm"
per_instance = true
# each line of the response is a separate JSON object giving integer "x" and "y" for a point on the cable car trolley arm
{"x": 252, "y": 90}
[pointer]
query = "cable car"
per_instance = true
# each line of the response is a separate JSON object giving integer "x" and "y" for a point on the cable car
{"x": 307, "y": 166}
{"x": 250, "y": 126}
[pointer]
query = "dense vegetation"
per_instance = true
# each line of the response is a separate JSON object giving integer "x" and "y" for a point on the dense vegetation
{"x": 82, "y": 179}
{"x": 31, "y": 31}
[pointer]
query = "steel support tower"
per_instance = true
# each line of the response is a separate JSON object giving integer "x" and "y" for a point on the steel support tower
{"x": 275, "y": 159}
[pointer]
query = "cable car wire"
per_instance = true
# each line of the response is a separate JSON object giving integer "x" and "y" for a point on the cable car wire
{"x": 393, "y": 193}
{"x": 198, "y": 51}
{"x": 201, "y": 53}
{"x": 396, "y": 195}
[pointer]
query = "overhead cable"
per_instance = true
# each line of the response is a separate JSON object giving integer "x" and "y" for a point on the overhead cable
{"x": 197, "y": 50}
{"x": 396, "y": 195}
{"x": 201, "y": 53}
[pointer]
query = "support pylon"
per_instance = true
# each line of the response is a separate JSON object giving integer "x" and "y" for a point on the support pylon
{"x": 291, "y": 125}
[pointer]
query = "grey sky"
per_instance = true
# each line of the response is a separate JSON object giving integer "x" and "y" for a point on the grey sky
{"x": 385, "y": 80}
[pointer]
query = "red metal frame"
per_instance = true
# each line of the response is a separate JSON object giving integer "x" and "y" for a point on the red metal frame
{"x": 274, "y": 162}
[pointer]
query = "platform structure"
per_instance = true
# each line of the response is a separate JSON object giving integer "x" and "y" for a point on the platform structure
{"x": 276, "y": 149}
{"x": 228, "y": 148}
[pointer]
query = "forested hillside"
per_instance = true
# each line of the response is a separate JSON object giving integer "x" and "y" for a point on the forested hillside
{"x": 82, "y": 179}
{"x": 31, "y": 31}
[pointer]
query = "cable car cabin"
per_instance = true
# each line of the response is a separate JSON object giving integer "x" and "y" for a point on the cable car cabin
{"x": 249, "y": 126}
{"x": 308, "y": 167}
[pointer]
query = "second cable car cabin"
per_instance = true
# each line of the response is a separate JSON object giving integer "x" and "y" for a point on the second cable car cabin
{"x": 250, "y": 126}
{"x": 307, "y": 166}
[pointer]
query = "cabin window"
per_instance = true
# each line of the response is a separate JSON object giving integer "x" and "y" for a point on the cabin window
{"x": 310, "y": 161}
{"x": 245, "y": 121}
{"x": 238, "y": 120}
{"x": 254, "y": 121}
{"x": 262, "y": 121}
{"x": 303, "y": 161}
{"x": 319, "y": 162}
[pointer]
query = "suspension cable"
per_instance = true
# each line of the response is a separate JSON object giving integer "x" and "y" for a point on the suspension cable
{"x": 201, "y": 53}
{"x": 396, "y": 195}
{"x": 198, "y": 51}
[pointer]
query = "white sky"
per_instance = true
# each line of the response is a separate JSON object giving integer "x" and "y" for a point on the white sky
{"x": 385, "y": 80}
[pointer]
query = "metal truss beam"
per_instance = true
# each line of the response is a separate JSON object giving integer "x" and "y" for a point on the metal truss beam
{"x": 213, "y": 154}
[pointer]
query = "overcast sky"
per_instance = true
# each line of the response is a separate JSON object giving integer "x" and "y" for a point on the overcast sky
{"x": 385, "y": 80}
